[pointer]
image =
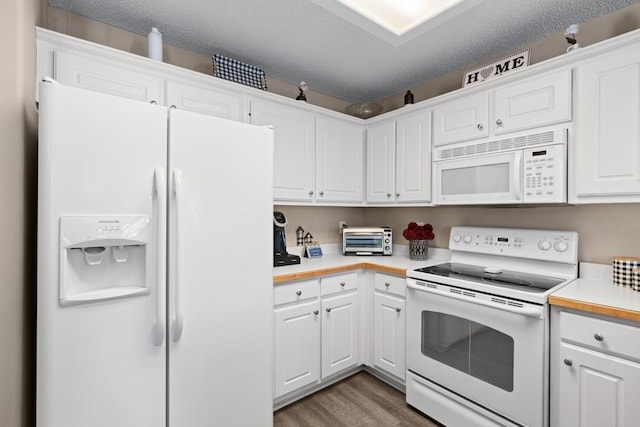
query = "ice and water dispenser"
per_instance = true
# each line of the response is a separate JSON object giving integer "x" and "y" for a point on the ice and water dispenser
{"x": 103, "y": 257}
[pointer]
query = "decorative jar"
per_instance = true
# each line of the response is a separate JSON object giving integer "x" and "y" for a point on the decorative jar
{"x": 418, "y": 249}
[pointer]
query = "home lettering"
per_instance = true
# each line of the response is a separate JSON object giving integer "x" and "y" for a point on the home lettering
{"x": 510, "y": 64}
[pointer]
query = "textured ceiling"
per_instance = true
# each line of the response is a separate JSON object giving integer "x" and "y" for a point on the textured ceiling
{"x": 294, "y": 40}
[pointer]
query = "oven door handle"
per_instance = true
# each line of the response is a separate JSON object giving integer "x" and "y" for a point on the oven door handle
{"x": 535, "y": 312}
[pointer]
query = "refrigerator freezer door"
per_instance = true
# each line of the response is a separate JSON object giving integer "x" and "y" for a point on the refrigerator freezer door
{"x": 220, "y": 366}
{"x": 97, "y": 362}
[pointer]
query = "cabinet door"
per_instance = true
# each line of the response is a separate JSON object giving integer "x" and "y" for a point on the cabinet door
{"x": 203, "y": 99}
{"x": 294, "y": 149}
{"x": 339, "y": 161}
{"x": 607, "y": 156}
{"x": 101, "y": 75}
{"x": 296, "y": 347}
{"x": 413, "y": 158}
{"x": 597, "y": 389}
{"x": 381, "y": 162}
{"x": 537, "y": 101}
{"x": 339, "y": 333}
{"x": 462, "y": 119}
{"x": 388, "y": 339}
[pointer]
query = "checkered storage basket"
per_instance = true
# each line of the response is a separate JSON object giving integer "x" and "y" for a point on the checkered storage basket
{"x": 239, "y": 72}
{"x": 626, "y": 272}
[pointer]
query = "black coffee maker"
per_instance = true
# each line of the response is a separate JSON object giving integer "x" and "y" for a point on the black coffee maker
{"x": 280, "y": 255}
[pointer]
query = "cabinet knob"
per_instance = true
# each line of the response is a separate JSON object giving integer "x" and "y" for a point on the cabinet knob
{"x": 480, "y": 127}
{"x": 298, "y": 293}
{"x": 568, "y": 362}
{"x": 398, "y": 309}
{"x": 154, "y": 102}
{"x": 321, "y": 193}
{"x": 316, "y": 312}
{"x": 173, "y": 107}
{"x": 311, "y": 193}
{"x": 397, "y": 194}
{"x": 342, "y": 284}
{"x": 328, "y": 309}
{"x": 599, "y": 337}
{"x": 388, "y": 195}
{"x": 387, "y": 284}
{"x": 499, "y": 122}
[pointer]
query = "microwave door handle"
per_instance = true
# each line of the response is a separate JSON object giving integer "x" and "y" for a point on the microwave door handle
{"x": 517, "y": 176}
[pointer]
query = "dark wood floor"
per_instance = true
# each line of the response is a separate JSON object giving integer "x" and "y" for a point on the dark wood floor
{"x": 360, "y": 400}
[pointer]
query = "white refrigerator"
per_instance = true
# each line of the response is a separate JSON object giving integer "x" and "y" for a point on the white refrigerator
{"x": 154, "y": 290}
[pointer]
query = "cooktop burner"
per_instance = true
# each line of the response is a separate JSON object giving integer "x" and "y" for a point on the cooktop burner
{"x": 494, "y": 276}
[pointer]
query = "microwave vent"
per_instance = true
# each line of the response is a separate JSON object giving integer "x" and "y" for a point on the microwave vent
{"x": 543, "y": 138}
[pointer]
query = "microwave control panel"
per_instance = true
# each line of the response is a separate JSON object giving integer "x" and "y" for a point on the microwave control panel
{"x": 544, "y": 174}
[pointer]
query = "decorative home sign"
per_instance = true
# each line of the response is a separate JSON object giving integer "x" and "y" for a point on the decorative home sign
{"x": 496, "y": 69}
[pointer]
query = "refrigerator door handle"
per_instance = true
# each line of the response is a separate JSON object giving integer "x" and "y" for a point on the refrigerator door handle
{"x": 177, "y": 192}
{"x": 161, "y": 216}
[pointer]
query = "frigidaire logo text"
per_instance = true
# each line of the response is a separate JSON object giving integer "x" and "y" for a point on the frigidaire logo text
{"x": 108, "y": 221}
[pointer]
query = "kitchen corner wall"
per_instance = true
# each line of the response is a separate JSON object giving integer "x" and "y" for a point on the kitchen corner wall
{"x": 18, "y": 127}
{"x": 605, "y": 231}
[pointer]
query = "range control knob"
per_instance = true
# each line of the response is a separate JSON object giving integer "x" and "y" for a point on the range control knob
{"x": 560, "y": 246}
{"x": 456, "y": 238}
{"x": 467, "y": 239}
{"x": 545, "y": 245}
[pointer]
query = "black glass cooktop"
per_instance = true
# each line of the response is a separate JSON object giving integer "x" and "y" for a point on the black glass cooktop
{"x": 495, "y": 276}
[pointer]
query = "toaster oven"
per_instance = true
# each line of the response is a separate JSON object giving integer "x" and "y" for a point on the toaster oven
{"x": 367, "y": 241}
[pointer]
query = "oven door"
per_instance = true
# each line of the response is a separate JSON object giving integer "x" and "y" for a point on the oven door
{"x": 491, "y": 179}
{"x": 489, "y": 352}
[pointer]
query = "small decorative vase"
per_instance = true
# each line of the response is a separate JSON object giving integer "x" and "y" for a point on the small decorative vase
{"x": 418, "y": 249}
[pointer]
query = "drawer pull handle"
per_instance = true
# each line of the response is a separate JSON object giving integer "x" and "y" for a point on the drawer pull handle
{"x": 568, "y": 362}
{"x": 342, "y": 284}
{"x": 387, "y": 284}
{"x": 480, "y": 127}
{"x": 599, "y": 337}
{"x": 398, "y": 309}
{"x": 328, "y": 309}
{"x": 298, "y": 293}
{"x": 316, "y": 312}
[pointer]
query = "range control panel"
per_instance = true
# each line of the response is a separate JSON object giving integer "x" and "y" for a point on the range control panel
{"x": 551, "y": 245}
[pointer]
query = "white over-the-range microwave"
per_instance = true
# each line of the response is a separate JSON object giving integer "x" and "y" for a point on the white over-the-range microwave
{"x": 525, "y": 169}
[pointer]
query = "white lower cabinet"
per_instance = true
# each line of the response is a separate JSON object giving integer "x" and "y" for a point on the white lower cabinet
{"x": 339, "y": 333}
{"x": 316, "y": 330}
{"x": 296, "y": 332}
{"x": 389, "y": 324}
{"x": 595, "y": 369}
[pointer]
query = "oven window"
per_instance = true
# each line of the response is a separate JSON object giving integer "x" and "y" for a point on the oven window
{"x": 364, "y": 242}
{"x": 470, "y": 347}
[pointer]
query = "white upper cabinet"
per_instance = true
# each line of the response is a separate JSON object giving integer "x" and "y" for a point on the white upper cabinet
{"x": 461, "y": 119}
{"x": 101, "y": 75}
{"x": 607, "y": 148}
{"x": 532, "y": 102}
{"x": 542, "y": 100}
{"x": 339, "y": 160}
{"x": 294, "y": 149}
{"x": 413, "y": 158}
{"x": 399, "y": 160}
{"x": 203, "y": 99}
{"x": 381, "y": 149}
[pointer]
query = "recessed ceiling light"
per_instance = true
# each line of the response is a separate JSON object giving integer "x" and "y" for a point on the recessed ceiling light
{"x": 397, "y": 21}
{"x": 399, "y": 16}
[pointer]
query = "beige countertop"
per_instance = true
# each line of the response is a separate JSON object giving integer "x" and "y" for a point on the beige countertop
{"x": 595, "y": 292}
{"x": 334, "y": 262}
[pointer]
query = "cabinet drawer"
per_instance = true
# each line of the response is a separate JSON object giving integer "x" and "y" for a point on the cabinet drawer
{"x": 610, "y": 337}
{"x": 393, "y": 284}
{"x": 343, "y": 282}
{"x": 296, "y": 291}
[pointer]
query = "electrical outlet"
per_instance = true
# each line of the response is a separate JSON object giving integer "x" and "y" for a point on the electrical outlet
{"x": 342, "y": 225}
